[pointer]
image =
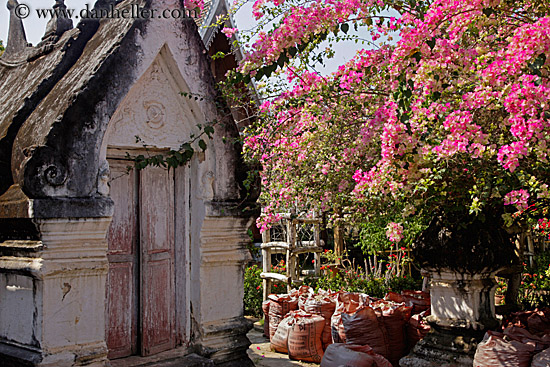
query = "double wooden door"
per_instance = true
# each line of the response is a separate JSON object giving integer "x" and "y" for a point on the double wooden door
{"x": 140, "y": 306}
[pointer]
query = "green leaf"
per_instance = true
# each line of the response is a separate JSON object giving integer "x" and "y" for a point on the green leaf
{"x": 345, "y": 27}
{"x": 431, "y": 43}
{"x": 292, "y": 51}
{"x": 209, "y": 130}
{"x": 186, "y": 147}
{"x": 488, "y": 11}
{"x": 202, "y": 145}
{"x": 218, "y": 55}
{"x": 436, "y": 95}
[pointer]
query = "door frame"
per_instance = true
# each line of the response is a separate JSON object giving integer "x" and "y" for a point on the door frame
{"x": 181, "y": 271}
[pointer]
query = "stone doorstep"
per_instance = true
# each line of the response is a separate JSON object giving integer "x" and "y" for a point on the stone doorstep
{"x": 171, "y": 358}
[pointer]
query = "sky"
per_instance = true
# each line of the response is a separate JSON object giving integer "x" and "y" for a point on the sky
{"x": 34, "y": 26}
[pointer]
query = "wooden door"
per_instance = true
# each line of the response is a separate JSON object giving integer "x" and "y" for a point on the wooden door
{"x": 122, "y": 280}
{"x": 140, "y": 289}
{"x": 157, "y": 262}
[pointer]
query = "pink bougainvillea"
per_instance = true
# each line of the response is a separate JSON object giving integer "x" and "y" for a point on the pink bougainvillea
{"x": 453, "y": 113}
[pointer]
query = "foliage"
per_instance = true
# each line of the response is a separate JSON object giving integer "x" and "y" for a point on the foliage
{"x": 373, "y": 234}
{"x": 254, "y": 251}
{"x": 253, "y": 290}
{"x": 535, "y": 283}
{"x": 1, "y": 47}
{"x": 452, "y": 116}
{"x": 175, "y": 158}
{"x": 374, "y": 287}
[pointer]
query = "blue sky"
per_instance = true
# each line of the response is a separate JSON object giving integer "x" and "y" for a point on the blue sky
{"x": 35, "y": 26}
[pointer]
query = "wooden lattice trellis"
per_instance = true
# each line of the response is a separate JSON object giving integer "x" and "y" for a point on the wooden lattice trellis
{"x": 291, "y": 236}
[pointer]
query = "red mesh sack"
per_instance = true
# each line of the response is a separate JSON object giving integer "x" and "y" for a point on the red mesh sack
{"x": 265, "y": 309}
{"x": 394, "y": 297}
{"x": 417, "y": 328}
{"x": 420, "y": 301}
{"x": 496, "y": 351}
{"x": 304, "y": 337}
{"x": 524, "y": 336}
{"x": 279, "y": 307}
{"x": 393, "y": 318}
{"x": 339, "y": 354}
{"x": 348, "y": 302}
{"x": 324, "y": 306}
{"x": 380, "y": 325}
{"x": 538, "y": 322}
{"x": 364, "y": 327}
{"x": 541, "y": 359}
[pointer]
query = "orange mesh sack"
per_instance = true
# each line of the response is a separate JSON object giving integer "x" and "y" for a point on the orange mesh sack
{"x": 496, "y": 351}
{"x": 542, "y": 359}
{"x": 265, "y": 309}
{"x": 348, "y": 302}
{"x": 280, "y": 305}
{"x": 279, "y": 342}
{"x": 304, "y": 338}
{"x": 324, "y": 306}
{"x": 338, "y": 354}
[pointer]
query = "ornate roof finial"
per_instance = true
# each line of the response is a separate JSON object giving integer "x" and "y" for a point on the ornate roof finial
{"x": 17, "y": 41}
{"x": 58, "y": 24}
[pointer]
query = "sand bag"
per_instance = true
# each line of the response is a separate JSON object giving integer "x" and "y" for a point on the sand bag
{"x": 364, "y": 327}
{"x": 348, "y": 302}
{"x": 496, "y": 351}
{"x": 523, "y": 335}
{"x": 279, "y": 341}
{"x": 393, "y": 318}
{"x": 394, "y": 297}
{"x": 324, "y": 306}
{"x": 304, "y": 337}
{"x": 417, "y": 328}
{"x": 265, "y": 309}
{"x": 381, "y": 326}
{"x": 339, "y": 354}
{"x": 279, "y": 307}
{"x": 538, "y": 322}
{"x": 541, "y": 359}
{"x": 420, "y": 301}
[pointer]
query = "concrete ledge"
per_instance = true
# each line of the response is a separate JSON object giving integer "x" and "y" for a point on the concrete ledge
{"x": 14, "y": 356}
{"x": 171, "y": 358}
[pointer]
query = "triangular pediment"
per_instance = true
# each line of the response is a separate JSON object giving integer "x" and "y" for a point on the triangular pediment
{"x": 157, "y": 111}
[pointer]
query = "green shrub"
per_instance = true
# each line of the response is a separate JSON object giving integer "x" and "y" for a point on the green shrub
{"x": 535, "y": 283}
{"x": 253, "y": 291}
{"x": 398, "y": 284}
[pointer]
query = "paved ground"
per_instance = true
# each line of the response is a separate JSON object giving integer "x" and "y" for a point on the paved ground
{"x": 262, "y": 356}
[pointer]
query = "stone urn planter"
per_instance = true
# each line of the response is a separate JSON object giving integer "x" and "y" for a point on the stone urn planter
{"x": 462, "y": 255}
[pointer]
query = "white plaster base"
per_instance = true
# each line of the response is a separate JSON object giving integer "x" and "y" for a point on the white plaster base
{"x": 463, "y": 300}
{"x": 462, "y": 309}
{"x": 60, "y": 294}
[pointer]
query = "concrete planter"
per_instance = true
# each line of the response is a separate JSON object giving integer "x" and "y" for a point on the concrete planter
{"x": 463, "y": 308}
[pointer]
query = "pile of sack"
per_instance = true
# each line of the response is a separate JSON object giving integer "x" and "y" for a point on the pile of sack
{"x": 341, "y": 328}
{"x": 523, "y": 342}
